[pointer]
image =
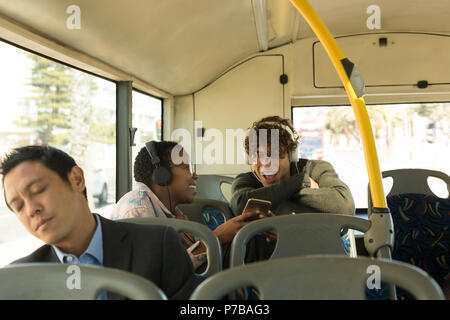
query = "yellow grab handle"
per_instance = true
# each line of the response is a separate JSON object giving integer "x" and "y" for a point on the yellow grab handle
{"x": 358, "y": 103}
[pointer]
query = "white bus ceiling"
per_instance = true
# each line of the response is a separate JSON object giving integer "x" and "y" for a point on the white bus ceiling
{"x": 179, "y": 46}
{"x": 220, "y": 62}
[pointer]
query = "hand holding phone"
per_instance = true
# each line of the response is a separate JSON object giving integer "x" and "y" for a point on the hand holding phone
{"x": 255, "y": 207}
{"x": 196, "y": 259}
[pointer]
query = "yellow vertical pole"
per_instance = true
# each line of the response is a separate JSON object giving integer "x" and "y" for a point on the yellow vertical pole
{"x": 358, "y": 103}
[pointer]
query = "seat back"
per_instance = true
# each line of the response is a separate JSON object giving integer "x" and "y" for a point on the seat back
{"x": 318, "y": 277}
{"x": 207, "y": 211}
{"x": 214, "y": 251}
{"x": 300, "y": 234}
{"x": 55, "y": 281}
{"x": 414, "y": 181}
{"x": 421, "y": 222}
{"x": 411, "y": 181}
{"x": 209, "y": 186}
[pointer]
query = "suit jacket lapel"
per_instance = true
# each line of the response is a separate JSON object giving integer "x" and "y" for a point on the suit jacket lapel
{"x": 116, "y": 248}
{"x": 46, "y": 253}
{"x": 52, "y": 257}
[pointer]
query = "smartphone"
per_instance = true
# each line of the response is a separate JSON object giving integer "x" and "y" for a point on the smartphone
{"x": 262, "y": 205}
{"x": 194, "y": 246}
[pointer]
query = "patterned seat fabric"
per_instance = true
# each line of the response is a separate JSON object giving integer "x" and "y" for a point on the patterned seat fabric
{"x": 422, "y": 237}
{"x": 212, "y": 217}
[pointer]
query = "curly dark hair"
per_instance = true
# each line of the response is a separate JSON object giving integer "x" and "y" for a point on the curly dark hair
{"x": 143, "y": 167}
{"x": 286, "y": 143}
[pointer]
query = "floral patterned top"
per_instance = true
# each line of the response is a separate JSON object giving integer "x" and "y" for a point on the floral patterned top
{"x": 142, "y": 202}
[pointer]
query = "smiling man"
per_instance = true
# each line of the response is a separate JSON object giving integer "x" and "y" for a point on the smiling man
{"x": 46, "y": 190}
{"x": 291, "y": 184}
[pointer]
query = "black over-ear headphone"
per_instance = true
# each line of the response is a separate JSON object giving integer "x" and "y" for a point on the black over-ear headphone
{"x": 161, "y": 175}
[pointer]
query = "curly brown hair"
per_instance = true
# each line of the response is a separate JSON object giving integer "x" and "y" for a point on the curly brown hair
{"x": 286, "y": 143}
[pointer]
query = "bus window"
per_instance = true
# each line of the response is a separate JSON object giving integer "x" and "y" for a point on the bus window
{"x": 147, "y": 119}
{"x": 44, "y": 102}
{"x": 414, "y": 135}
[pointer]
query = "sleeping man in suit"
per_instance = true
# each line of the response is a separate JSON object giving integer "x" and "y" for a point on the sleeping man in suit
{"x": 46, "y": 189}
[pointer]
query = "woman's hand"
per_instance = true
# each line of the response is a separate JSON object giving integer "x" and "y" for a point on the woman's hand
{"x": 226, "y": 231}
{"x": 196, "y": 259}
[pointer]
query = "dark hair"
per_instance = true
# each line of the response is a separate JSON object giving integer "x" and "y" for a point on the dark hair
{"x": 143, "y": 167}
{"x": 54, "y": 159}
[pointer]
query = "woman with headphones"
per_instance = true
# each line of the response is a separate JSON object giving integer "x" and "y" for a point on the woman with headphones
{"x": 163, "y": 184}
{"x": 277, "y": 175}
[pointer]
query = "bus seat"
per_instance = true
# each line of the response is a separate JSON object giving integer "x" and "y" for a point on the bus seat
{"x": 298, "y": 235}
{"x": 414, "y": 181}
{"x": 209, "y": 186}
{"x": 421, "y": 222}
{"x": 207, "y": 211}
{"x": 55, "y": 281}
{"x": 214, "y": 251}
{"x": 318, "y": 277}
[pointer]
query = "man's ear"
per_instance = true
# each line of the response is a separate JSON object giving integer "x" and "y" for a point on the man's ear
{"x": 76, "y": 178}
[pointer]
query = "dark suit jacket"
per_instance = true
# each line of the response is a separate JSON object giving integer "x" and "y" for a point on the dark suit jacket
{"x": 153, "y": 252}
